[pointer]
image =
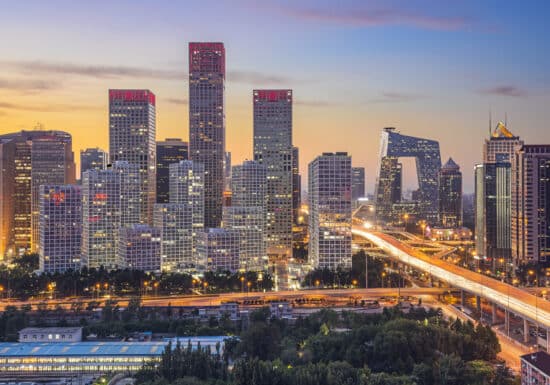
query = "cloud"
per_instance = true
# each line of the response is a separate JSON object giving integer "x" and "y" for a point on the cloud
{"x": 378, "y": 17}
{"x": 45, "y": 108}
{"x": 27, "y": 85}
{"x": 504, "y": 90}
{"x": 176, "y": 100}
{"x": 314, "y": 103}
{"x": 93, "y": 71}
{"x": 396, "y": 97}
{"x": 253, "y": 77}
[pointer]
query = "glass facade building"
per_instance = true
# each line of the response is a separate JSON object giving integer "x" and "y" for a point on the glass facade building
{"x": 174, "y": 220}
{"x": 450, "y": 195}
{"x": 169, "y": 151}
{"x": 357, "y": 183}
{"x": 207, "y": 122}
{"x": 93, "y": 159}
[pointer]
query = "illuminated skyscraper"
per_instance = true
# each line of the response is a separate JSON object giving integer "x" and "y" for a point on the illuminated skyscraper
{"x": 60, "y": 228}
{"x": 132, "y": 127}
{"x": 450, "y": 195}
{"x": 357, "y": 183}
{"x": 296, "y": 184}
{"x": 207, "y": 122}
{"x": 187, "y": 187}
{"x": 329, "y": 196}
{"x": 530, "y": 208}
{"x": 247, "y": 213}
{"x": 110, "y": 201}
{"x": 219, "y": 249}
{"x": 273, "y": 149}
{"x": 93, "y": 159}
{"x": 174, "y": 220}
{"x": 493, "y": 196}
{"x": 139, "y": 247}
{"x": 169, "y": 151}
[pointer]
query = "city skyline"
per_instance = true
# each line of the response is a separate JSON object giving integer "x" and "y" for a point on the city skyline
{"x": 448, "y": 100}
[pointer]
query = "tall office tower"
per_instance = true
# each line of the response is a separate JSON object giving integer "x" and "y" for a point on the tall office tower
{"x": 207, "y": 122}
{"x": 493, "y": 195}
{"x": 139, "y": 247}
{"x": 247, "y": 213}
{"x": 60, "y": 228}
{"x": 357, "y": 183}
{"x": 110, "y": 201}
{"x": 296, "y": 184}
{"x": 329, "y": 196}
{"x": 273, "y": 148}
{"x": 169, "y": 151}
{"x": 7, "y": 191}
{"x": 227, "y": 171}
{"x": 187, "y": 185}
{"x": 93, "y": 159}
{"x": 531, "y": 205}
{"x": 219, "y": 249}
{"x": 450, "y": 195}
{"x": 174, "y": 220}
{"x": 132, "y": 127}
{"x": 394, "y": 145}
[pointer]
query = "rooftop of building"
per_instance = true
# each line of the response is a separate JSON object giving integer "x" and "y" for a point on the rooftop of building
{"x": 450, "y": 165}
{"x": 501, "y": 131}
{"x": 540, "y": 360}
{"x": 119, "y": 348}
{"x": 46, "y": 330}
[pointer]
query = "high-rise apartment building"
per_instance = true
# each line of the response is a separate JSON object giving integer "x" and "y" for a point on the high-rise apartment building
{"x": 187, "y": 179}
{"x": 329, "y": 195}
{"x": 219, "y": 249}
{"x": 247, "y": 213}
{"x": 93, "y": 159}
{"x": 357, "y": 183}
{"x": 59, "y": 248}
{"x": 132, "y": 128}
{"x": 169, "y": 151}
{"x": 493, "y": 196}
{"x": 174, "y": 220}
{"x": 530, "y": 208}
{"x": 296, "y": 184}
{"x": 273, "y": 149}
{"x": 207, "y": 122}
{"x": 139, "y": 247}
{"x": 110, "y": 201}
{"x": 450, "y": 195}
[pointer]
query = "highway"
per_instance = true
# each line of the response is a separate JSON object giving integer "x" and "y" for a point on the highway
{"x": 217, "y": 299}
{"x": 502, "y": 294}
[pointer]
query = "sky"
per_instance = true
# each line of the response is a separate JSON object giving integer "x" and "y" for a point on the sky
{"x": 435, "y": 69}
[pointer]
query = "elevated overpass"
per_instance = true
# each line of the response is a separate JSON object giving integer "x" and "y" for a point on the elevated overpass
{"x": 508, "y": 297}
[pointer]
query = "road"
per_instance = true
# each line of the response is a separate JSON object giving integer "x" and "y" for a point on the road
{"x": 217, "y": 299}
{"x": 506, "y": 296}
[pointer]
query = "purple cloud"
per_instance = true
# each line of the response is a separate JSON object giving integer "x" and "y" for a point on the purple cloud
{"x": 504, "y": 90}
{"x": 396, "y": 97}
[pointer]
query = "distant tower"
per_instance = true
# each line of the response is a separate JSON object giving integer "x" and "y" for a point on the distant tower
{"x": 357, "y": 183}
{"x": 207, "y": 122}
{"x": 132, "y": 130}
{"x": 110, "y": 201}
{"x": 329, "y": 195}
{"x": 450, "y": 195}
{"x": 169, "y": 151}
{"x": 60, "y": 228}
{"x": 273, "y": 149}
{"x": 93, "y": 159}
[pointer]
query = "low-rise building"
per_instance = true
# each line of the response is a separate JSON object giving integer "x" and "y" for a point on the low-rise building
{"x": 54, "y": 334}
{"x": 535, "y": 368}
{"x": 281, "y": 310}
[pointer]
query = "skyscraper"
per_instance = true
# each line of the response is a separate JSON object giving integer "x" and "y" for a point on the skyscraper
{"x": 329, "y": 196}
{"x": 394, "y": 145}
{"x": 247, "y": 213}
{"x": 530, "y": 208}
{"x": 139, "y": 247}
{"x": 60, "y": 228}
{"x": 187, "y": 187}
{"x": 169, "y": 151}
{"x": 93, "y": 159}
{"x": 110, "y": 201}
{"x": 450, "y": 195}
{"x": 132, "y": 128}
{"x": 219, "y": 249}
{"x": 296, "y": 184}
{"x": 273, "y": 149}
{"x": 357, "y": 183}
{"x": 493, "y": 195}
{"x": 207, "y": 122}
{"x": 7, "y": 191}
{"x": 174, "y": 220}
